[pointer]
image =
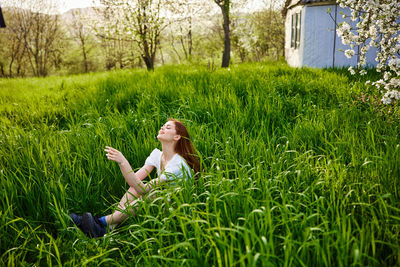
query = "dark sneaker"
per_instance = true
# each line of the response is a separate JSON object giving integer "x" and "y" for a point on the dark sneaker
{"x": 76, "y": 219}
{"x": 91, "y": 226}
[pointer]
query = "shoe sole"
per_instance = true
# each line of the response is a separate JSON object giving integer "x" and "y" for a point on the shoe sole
{"x": 87, "y": 225}
{"x": 75, "y": 223}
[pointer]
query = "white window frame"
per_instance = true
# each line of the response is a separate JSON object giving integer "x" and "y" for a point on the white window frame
{"x": 295, "y": 30}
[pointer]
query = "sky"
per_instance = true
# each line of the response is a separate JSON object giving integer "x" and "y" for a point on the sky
{"x": 68, "y": 4}
{"x": 65, "y": 5}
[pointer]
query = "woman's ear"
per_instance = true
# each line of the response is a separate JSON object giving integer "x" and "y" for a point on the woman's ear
{"x": 177, "y": 137}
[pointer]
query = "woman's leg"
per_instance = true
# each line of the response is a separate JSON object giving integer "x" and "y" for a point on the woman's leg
{"x": 130, "y": 195}
{"x": 127, "y": 201}
{"x": 120, "y": 215}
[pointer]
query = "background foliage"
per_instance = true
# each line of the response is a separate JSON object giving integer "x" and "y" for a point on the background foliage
{"x": 110, "y": 38}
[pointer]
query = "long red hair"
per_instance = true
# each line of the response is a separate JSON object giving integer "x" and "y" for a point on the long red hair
{"x": 184, "y": 146}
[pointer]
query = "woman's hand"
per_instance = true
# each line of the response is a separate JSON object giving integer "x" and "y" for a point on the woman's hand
{"x": 115, "y": 155}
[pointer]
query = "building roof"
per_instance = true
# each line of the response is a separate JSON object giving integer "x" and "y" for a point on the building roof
{"x": 292, "y": 3}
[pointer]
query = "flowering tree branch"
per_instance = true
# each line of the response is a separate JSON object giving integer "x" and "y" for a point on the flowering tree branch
{"x": 378, "y": 26}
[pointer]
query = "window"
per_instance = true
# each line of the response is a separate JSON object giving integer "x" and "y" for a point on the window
{"x": 295, "y": 31}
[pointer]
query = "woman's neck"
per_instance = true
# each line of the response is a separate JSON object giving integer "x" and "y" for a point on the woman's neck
{"x": 168, "y": 150}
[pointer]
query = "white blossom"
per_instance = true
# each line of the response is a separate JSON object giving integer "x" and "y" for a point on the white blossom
{"x": 365, "y": 49}
{"x": 345, "y": 41}
{"x": 352, "y": 71}
{"x": 394, "y": 64}
{"x": 377, "y": 26}
{"x": 349, "y": 53}
{"x": 386, "y": 100}
{"x": 386, "y": 75}
{"x": 345, "y": 26}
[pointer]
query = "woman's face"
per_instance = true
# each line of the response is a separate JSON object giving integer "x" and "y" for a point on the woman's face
{"x": 168, "y": 132}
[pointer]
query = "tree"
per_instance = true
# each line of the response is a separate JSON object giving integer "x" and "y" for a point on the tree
{"x": 243, "y": 36}
{"x": 186, "y": 22}
{"x": 32, "y": 37}
{"x": 38, "y": 30}
{"x": 149, "y": 24}
{"x": 378, "y": 26}
{"x": 117, "y": 44}
{"x": 81, "y": 34}
{"x": 13, "y": 50}
{"x": 142, "y": 21}
{"x": 226, "y": 54}
{"x": 258, "y": 34}
{"x": 42, "y": 32}
{"x": 270, "y": 29}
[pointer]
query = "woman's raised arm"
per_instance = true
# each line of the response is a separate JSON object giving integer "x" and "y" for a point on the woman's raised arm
{"x": 133, "y": 179}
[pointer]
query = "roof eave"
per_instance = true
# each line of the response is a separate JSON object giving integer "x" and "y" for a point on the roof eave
{"x": 289, "y": 4}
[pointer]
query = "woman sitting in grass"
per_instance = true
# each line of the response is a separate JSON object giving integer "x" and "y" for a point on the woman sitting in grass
{"x": 175, "y": 161}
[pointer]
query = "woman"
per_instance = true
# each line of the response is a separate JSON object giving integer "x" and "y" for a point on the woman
{"x": 175, "y": 161}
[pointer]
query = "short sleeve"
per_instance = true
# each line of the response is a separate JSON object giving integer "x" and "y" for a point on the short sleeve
{"x": 177, "y": 169}
{"x": 154, "y": 158}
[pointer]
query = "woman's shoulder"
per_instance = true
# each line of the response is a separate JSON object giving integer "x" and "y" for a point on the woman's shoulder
{"x": 154, "y": 157}
{"x": 155, "y": 151}
{"x": 155, "y": 154}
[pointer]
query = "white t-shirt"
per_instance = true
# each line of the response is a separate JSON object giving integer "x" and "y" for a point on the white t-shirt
{"x": 176, "y": 168}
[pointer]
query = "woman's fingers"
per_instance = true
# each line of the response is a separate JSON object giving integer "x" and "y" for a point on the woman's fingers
{"x": 110, "y": 157}
{"x": 113, "y": 154}
{"x": 111, "y": 149}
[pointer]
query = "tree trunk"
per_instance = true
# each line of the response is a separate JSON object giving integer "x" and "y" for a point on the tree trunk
{"x": 146, "y": 55}
{"x": 224, "y": 5}
{"x": 181, "y": 38}
{"x": 10, "y": 67}
{"x": 190, "y": 41}
{"x": 174, "y": 49}
{"x": 2, "y": 70}
{"x": 2, "y": 22}
{"x": 85, "y": 60}
{"x": 162, "y": 56}
{"x": 277, "y": 54}
{"x": 149, "y": 63}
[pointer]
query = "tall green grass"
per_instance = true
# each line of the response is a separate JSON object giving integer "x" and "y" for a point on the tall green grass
{"x": 296, "y": 170}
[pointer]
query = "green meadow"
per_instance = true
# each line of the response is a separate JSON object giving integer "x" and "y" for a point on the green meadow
{"x": 299, "y": 169}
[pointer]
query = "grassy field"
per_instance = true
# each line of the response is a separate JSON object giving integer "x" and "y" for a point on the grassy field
{"x": 299, "y": 168}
